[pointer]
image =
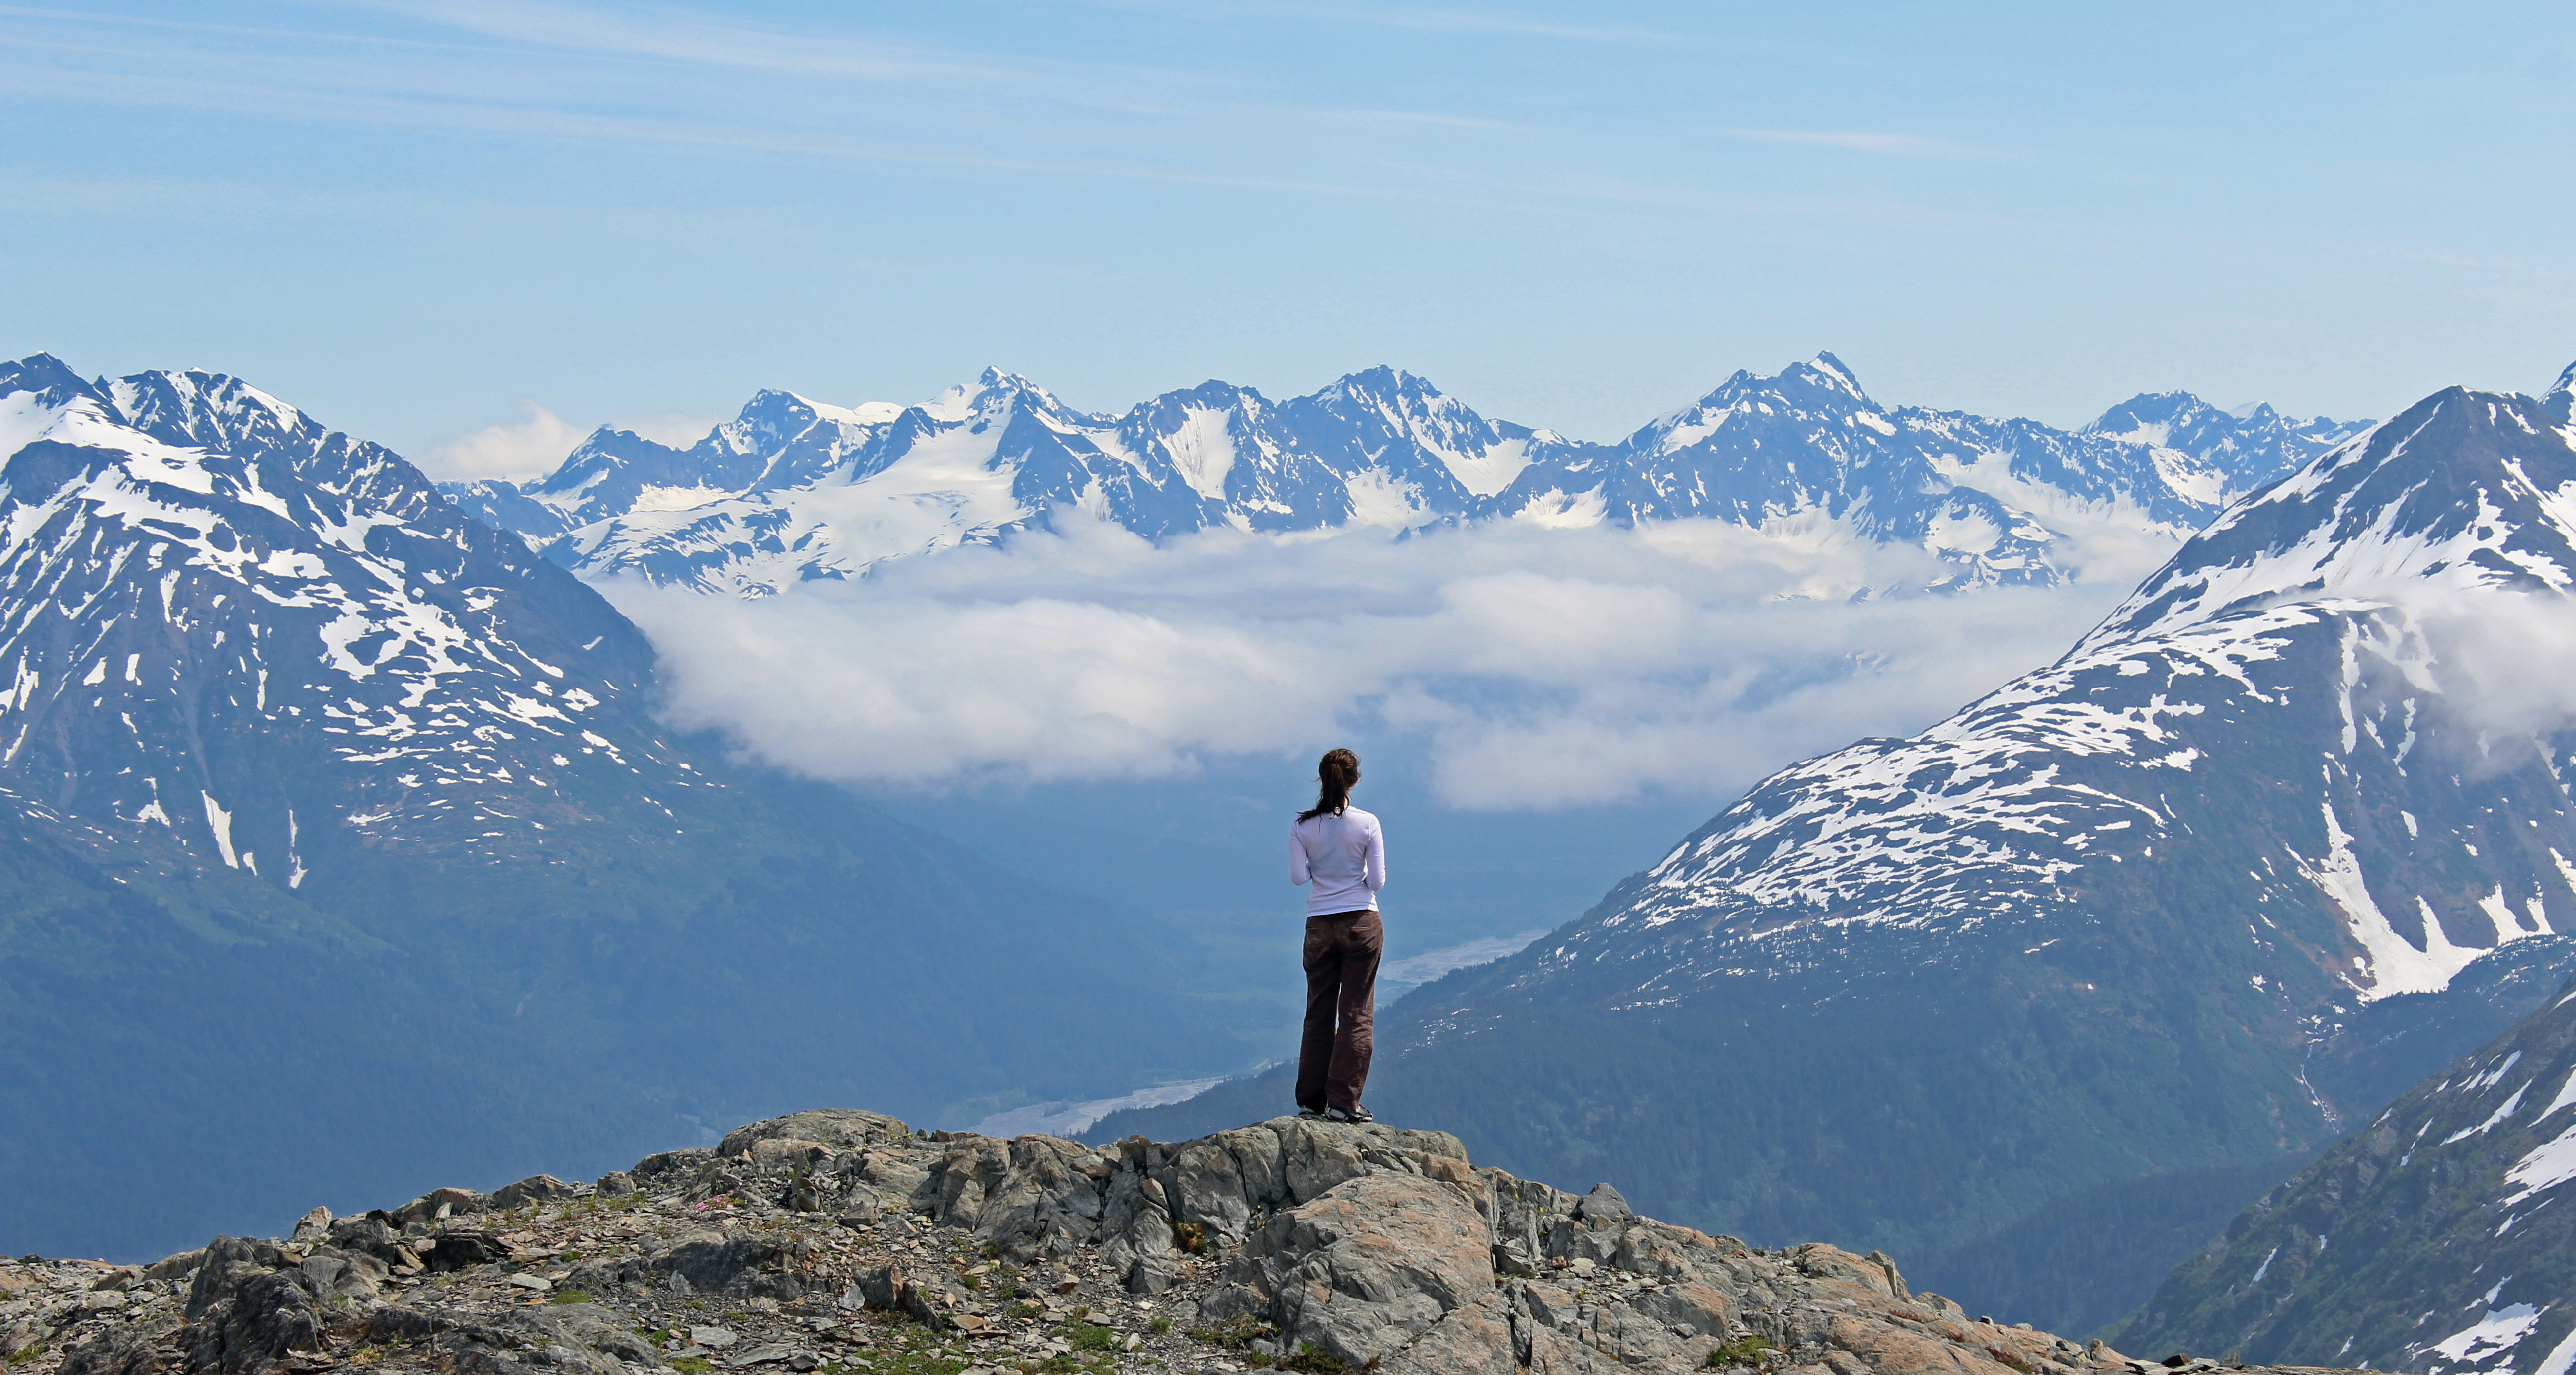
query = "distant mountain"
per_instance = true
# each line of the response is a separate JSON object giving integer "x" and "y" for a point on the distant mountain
{"x": 2035, "y": 999}
{"x": 793, "y": 490}
{"x": 2428, "y": 1241}
{"x": 323, "y": 802}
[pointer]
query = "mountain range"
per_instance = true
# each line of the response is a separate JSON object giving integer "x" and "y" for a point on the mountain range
{"x": 792, "y": 490}
{"x": 2039, "y": 997}
{"x": 331, "y": 805}
{"x": 326, "y": 803}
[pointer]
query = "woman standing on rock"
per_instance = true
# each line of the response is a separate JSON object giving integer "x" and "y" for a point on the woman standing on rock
{"x": 1339, "y": 849}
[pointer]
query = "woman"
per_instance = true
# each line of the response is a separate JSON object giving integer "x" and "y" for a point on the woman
{"x": 1339, "y": 849}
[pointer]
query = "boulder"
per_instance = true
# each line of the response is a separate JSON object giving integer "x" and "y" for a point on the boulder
{"x": 1366, "y": 1267}
{"x": 248, "y": 1310}
{"x": 122, "y": 1352}
{"x": 458, "y": 1249}
{"x": 536, "y": 1188}
{"x": 840, "y": 1129}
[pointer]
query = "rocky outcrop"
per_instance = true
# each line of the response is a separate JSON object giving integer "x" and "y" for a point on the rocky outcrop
{"x": 837, "y": 1240}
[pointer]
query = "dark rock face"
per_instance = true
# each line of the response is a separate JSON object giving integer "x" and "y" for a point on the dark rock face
{"x": 249, "y": 1310}
{"x": 2429, "y": 1240}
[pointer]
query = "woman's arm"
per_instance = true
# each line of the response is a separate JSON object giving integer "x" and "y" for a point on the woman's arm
{"x": 1373, "y": 860}
{"x": 1297, "y": 870}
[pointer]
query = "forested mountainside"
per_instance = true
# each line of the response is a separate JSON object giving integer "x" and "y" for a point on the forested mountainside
{"x": 327, "y": 809}
{"x": 2043, "y": 994}
{"x": 793, "y": 490}
{"x": 2427, "y": 1241}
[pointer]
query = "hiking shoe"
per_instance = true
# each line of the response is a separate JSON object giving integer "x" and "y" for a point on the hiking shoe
{"x": 1357, "y": 1112}
{"x": 1304, "y": 1111}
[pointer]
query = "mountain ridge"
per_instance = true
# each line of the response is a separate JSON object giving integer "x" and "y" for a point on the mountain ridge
{"x": 838, "y": 489}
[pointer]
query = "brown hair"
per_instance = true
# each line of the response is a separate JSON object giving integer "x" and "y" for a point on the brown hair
{"x": 1336, "y": 772}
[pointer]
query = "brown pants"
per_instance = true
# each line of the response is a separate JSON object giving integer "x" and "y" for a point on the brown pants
{"x": 1341, "y": 983}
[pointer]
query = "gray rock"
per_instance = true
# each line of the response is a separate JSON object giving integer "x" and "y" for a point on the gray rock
{"x": 1604, "y": 1207}
{"x": 463, "y": 1250}
{"x": 246, "y": 1314}
{"x": 927, "y": 1294}
{"x": 841, "y": 1129}
{"x": 759, "y": 1266}
{"x": 313, "y": 1225}
{"x": 122, "y": 1352}
{"x": 1365, "y": 1268}
{"x": 1522, "y": 1212}
{"x": 536, "y": 1188}
{"x": 671, "y": 1162}
{"x": 616, "y": 1184}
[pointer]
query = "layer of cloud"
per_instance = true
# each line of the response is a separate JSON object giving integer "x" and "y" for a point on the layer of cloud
{"x": 535, "y": 445}
{"x": 1541, "y": 668}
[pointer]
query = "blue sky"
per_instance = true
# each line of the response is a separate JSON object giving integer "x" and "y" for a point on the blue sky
{"x": 418, "y": 219}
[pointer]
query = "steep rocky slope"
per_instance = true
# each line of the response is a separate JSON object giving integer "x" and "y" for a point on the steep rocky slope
{"x": 793, "y": 489}
{"x": 308, "y": 779}
{"x": 840, "y": 1241}
{"x": 2430, "y": 1240}
{"x": 2052, "y": 975}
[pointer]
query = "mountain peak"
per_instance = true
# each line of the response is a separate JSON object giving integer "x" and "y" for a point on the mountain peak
{"x": 2452, "y": 491}
{"x": 45, "y": 375}
{"x": 1835, "y": 372}
{"x": 2558, "y": 398}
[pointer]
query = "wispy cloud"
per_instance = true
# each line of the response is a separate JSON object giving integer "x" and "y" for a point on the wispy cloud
{"x": 1505, "y": 23}
{"x": 535, "y": 444}
{"x": 1892, "y": 145}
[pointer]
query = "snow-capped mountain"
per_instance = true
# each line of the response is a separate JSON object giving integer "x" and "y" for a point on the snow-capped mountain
{"x": 2305, "y": 615}
{"x": 794, "y": 489}
{"x": 2032, "y": 999}
{"x": 2427, "y": 1241}
{"x": 277, "y": 642}
{"x": 324, "y": 805}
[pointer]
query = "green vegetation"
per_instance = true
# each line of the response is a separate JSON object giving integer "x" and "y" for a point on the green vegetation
{"x": 1087, "y": 1337}
{"x": 1234, "y": 1333}
{"x": 569, "y": 1296}
{"x": 1161, "y": 1325}
{"x": 1190, "y": 1236}
{"x": 692, "y": 1365}
{"x": 1750, "y": 1350}
{"x": 1312, "y": 1361}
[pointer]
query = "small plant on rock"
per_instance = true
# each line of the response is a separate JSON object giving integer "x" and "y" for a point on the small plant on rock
{"x": 1748, "y": 1350}
{"x": 1160, "y": 1325}
{"x": 569, "y": 1296}
{"x": 1312, "y": 1361}
{"x": 1234, "y": 1333}
{"x": 1190, "y": 1236}
{"x": 1087, "y": 1337}
{"x": 692, "y": 1365}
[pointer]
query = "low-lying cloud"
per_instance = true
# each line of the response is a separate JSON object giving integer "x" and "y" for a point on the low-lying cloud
{"x": 535, "y": 444}
{"x": 1539, "y": 668}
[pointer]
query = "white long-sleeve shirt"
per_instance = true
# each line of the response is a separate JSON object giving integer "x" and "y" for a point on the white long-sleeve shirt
{"x": 1343, "y": 856}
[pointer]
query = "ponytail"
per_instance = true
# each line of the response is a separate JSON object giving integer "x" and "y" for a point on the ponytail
{"x": 1337, "y": 771}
